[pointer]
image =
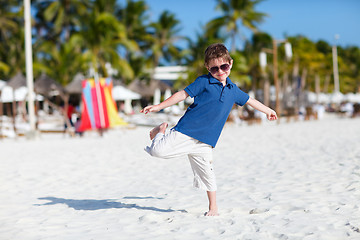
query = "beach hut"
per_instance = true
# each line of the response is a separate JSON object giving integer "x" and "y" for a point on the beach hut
{"x": 9, "y": 95}
{"x": 15, "y": 83}
{"x": 16, "y": 90}
{"x": 121, "y": 93}
{"x": 74, "y": 89}
{"x": 149, "y": 91}
{"x": 336, "y": 97}
{"x": 352, "y": 97}
{"x": 51, "y": 89}
{"x": 2, "y": 84}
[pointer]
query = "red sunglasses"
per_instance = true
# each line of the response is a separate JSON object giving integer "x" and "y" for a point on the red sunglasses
{"x": 225, "y": 67}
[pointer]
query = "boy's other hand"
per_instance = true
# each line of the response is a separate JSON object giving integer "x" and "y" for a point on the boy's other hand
{"x": 271, "y": 116}
{"x": 151, "y": 108}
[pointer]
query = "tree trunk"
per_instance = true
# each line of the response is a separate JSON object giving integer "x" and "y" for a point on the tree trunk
{"x": 317, "y": 87}
{"x": 14, "y": 112}
{"x": 302, "y": 87}
{"x": 266, "y": 89}
{"x": 296, "y": 86}
{"x": 303, "y": 78}
{"x": 285, "y": 89}
{"x": 253, "y": 83}
{"x": 326, "y": 83}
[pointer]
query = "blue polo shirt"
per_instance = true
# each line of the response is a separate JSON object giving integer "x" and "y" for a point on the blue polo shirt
{"x": 206, "y": 117}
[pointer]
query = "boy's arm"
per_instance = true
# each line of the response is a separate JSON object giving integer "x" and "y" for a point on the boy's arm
{"x": 174, "y": 99}
{"x": 271, "y": 114}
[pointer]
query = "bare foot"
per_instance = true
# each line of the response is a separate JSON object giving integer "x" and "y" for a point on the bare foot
{"x": 159, "y": 129}
{"x": 212, "y": 212}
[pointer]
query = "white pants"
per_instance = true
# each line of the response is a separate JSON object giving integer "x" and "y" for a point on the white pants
{"x": 175, "y": 144}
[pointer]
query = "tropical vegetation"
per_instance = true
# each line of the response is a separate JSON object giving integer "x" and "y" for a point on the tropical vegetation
{"x": 72, "y": 36}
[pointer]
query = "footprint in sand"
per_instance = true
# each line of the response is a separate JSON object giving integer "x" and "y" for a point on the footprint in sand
{"x": 258, "y": 211}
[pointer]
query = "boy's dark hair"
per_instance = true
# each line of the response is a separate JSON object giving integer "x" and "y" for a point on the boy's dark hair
{"x": 216, "y": 50}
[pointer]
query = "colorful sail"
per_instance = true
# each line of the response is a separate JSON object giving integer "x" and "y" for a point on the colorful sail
{"x": 99, "y": 108}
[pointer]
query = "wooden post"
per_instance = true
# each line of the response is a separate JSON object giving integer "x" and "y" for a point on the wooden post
{"x": 276, "y": 80}
{"x": 29, "y": 67}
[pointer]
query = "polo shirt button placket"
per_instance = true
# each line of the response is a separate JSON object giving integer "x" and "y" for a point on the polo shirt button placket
{"x": 222, "y": 95}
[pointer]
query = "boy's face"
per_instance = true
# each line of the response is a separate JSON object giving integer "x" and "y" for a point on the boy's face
{"x": 220, "y": 69}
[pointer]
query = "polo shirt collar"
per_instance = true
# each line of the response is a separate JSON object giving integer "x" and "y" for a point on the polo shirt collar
{"x": 214, "y": 80}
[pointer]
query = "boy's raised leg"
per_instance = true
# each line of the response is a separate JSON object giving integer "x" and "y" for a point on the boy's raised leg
{"x": 213, "y": 210}
{"x": 159, "y": 129}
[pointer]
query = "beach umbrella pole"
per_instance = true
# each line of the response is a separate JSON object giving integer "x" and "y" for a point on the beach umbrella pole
{"x": 29, "y": 68}
{"x": 335, "y": 66}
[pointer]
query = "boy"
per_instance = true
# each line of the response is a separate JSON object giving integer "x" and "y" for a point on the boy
{"x": 198, "y": 130}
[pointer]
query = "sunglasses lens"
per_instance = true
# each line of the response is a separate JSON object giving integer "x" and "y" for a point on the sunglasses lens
{"x": 214, "y": 70}
{"x": 225, "y": 67}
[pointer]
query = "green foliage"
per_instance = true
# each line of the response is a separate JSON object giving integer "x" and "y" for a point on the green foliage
{"x": 164, "y": 33}
{"x": 236, "y": 13}
{"x": 61, "y": 63}
{"x": 70, "y": 36}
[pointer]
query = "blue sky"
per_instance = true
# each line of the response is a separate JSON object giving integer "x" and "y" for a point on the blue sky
{"x": 315, "y": 19}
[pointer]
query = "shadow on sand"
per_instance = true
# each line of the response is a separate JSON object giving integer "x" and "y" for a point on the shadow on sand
{"x": 92, "y": 205}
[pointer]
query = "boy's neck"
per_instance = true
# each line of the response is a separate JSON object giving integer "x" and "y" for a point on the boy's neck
{"x": 222, "y": 82}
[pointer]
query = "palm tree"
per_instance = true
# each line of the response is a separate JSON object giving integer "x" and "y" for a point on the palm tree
{"x": 104, "y": 37}
{"x": 109, "y": 6}
{"x": 164, "y": 35}
{"x": 135, "y": 19}
{"x": 60, "y": 18}
{"x": 252, "y": 48}
{"x": 235, "y": 14}
{"x": 309, "y": 65}
{"x": 11, "y": 46}
{"x": 8, "y": 18}
{"x": 134, "y": 16}
{"x": 61, "y": 63}
{"x": 311, "y": 61}
{"x": 194, "y": 57}
{"x": 327, "y": 65}
{"x": 349, "y": 65}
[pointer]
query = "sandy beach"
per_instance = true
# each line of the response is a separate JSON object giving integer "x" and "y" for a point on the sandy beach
{"x": 297, "y": 180}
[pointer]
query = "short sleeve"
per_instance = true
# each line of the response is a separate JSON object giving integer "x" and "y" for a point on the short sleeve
{"x": 196, "y": 87}
{"x": 241, "y": 97}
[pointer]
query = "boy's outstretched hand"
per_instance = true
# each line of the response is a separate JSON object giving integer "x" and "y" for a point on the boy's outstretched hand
{"x": 151, "y": 108}
{"x": 271, "y": 116}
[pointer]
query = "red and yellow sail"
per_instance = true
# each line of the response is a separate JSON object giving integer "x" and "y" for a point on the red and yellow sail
{"x": 99, "y": 108}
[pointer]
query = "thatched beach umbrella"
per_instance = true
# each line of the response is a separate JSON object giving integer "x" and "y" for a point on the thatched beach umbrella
{"x": 75, "y": 87}
{"x": 148, "y": 90}
{"x": 47, "y": 86}
{"x": 17, "y": 81}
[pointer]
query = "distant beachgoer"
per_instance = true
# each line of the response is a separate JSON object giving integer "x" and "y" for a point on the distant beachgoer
{"x": 68, "y": 111}
{"x": 197, "y": 132}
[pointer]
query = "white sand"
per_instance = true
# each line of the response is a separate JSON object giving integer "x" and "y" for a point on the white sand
{"x": 300, "y": 180}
